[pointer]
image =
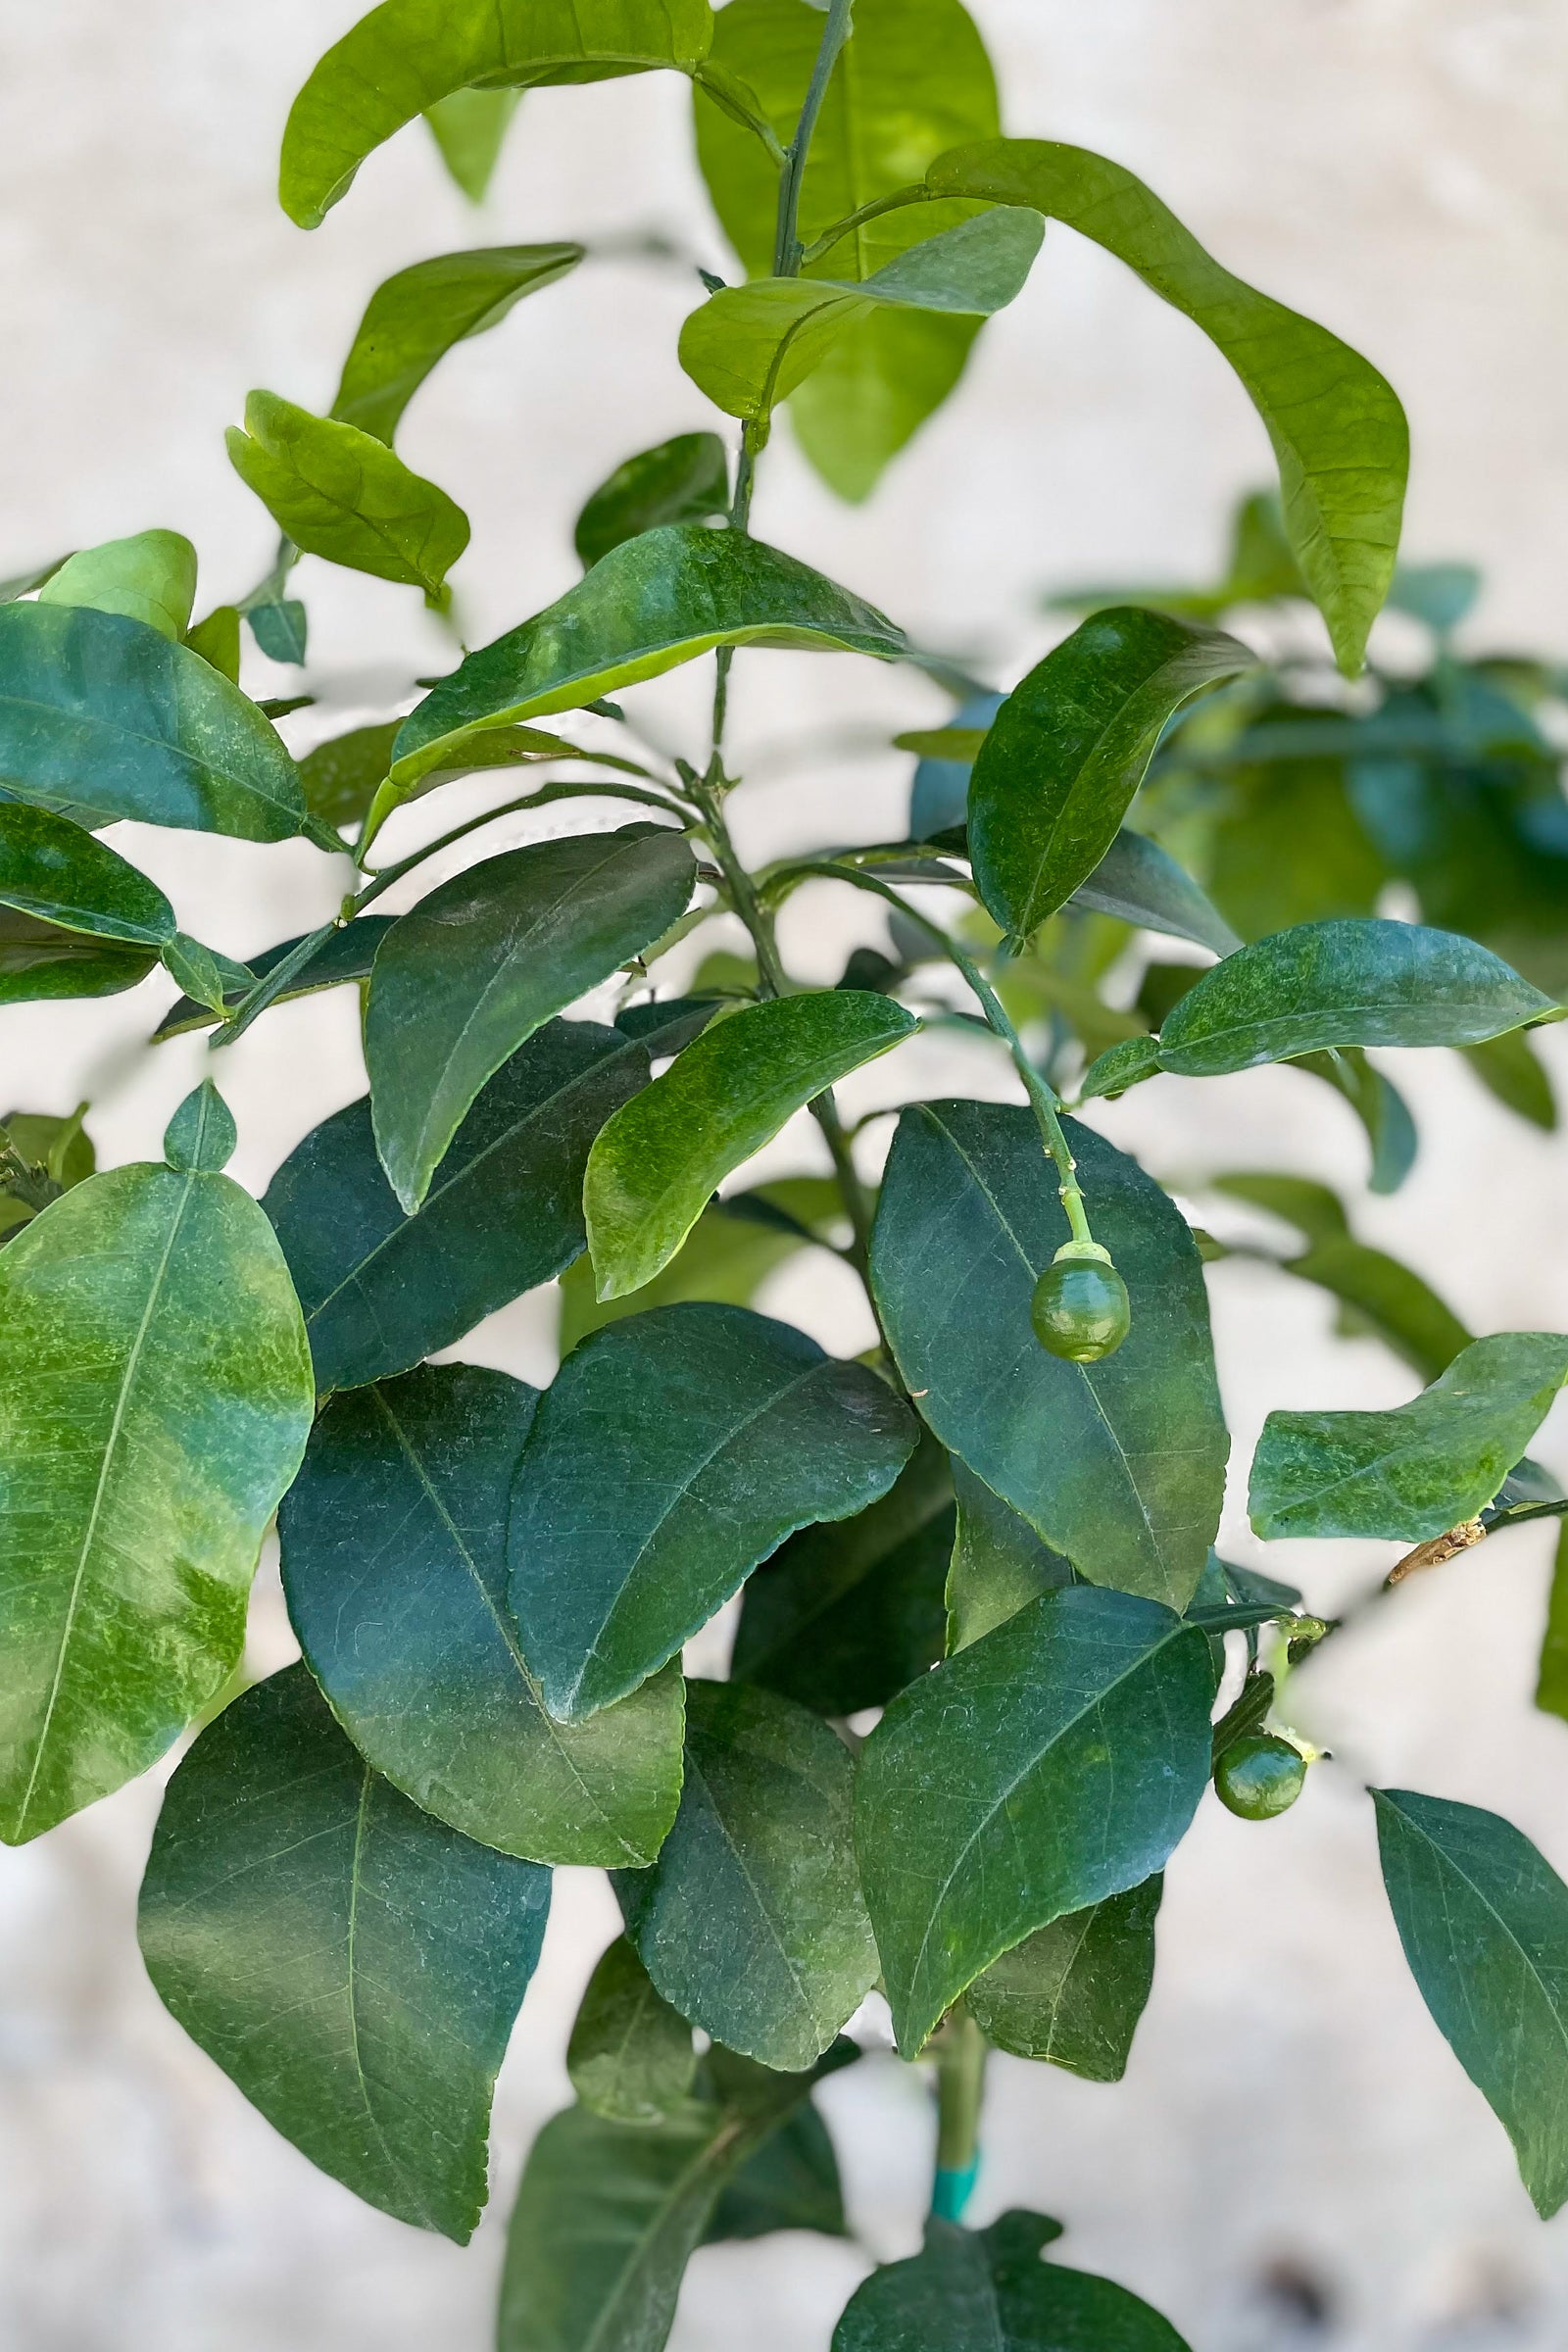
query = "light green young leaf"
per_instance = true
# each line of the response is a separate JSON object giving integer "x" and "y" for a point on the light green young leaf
{"x": 1551, "y": 1686}
{"x": 1072, "y": 1994}
{"x": 630, "y": 2056}
{"x": 1069, "y": 748}
{"x": 750, "y": 1922}
{"x": 340, "y": 493}
{"x": 674, "y": 1451}
{"x": 661, "y": 1157}
{"x": 466, "y": 978}
{"x": 1414, "y": 1473}
{"x": 989, "y": 2292}
{"x": 394, "y": 1563}
{"x": 1484, "y": 1920}
{"x": 684, "y": 480}
{"x": 408, "y": 55}
{"x": 750, "y": 347}
{"x": 216, "y": 640}
{"x": 470, "y": 129}
{"x": 54, "y": 871}
{"x": 1338, "y": 433}
{"x": 150, "y": 578}
{"x": 353, "y": 1966}
{"x": 155, "y": 1398}
{"x": 1055, "y": 1762}
{"x": 998, "y": 1563}
{"x": 415, "y": 318}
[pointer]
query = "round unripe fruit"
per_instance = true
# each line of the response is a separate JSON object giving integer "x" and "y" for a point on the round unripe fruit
{"x": 1259, "y": 1775}
{"x": 1080, "y": 1309}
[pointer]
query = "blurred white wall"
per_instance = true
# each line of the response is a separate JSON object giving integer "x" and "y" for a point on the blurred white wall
{"x": 1397, "y": 168}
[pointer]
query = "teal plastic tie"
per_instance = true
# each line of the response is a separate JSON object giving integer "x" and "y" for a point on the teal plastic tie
{"x": 952, "y": 2189}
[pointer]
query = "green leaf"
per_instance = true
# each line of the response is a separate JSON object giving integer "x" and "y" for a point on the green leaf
{"x": 1137, "y": 882}
{"x": 1551, "y": 1686}
{"x": 150, "y": 578}
{"x": 1338, "y": 432}
{"x": 207, "y": 978}
{"x": 1069, "y": 748}
{"x": 750, "y": 1922}
{"x": 1484, "y": 1920}
{"x": 1119, "y": 1068}
{"x": 381, "y": 1290}
{"x": 1056, "y": 1761}
{"x": 913, "y": 80}
{"x": 408, "y": 55}
{"x": 415, "y": 318}
{"x": 343, "y": 955}
{"x": 726, "y": 1259}
{"x": 750, "y": 347}
{"x": 630, "y": 2057}
{"x": 659, "y": 1161}
{"x": 39, "y": 962}
{"x": 201, "y": 1138}
{"x": 394, "y": 1563}
{"x": 844, "y": 1615}
{"x": 1414, "y": 1473}
{"x": 792, "y": 2183}
{"x": 470, "y": 129}
{"x": 341, "y": 777}
{"x": 989, "y": 2292}
{"x": 998, "y": 1563}
{"x": 354, "y": 1966}
{"x": 216, "y": 640}
{"x": 1508, "y": 1069}
{"x": 54, "y": 871}
{"x": 1120, "y": 1464}
{"x": 466, "y": 978}
{"x": 651, "y": 604}
{"x": 280, "y": 629}
{"x": 61, "y": 1147}
{"x": 676, "y": 1450}
{"x": 684, "y": 480}
{"x": 340, "y": 493}
{"x": 1072, "y": 1994}
{"x": 1381, "y": 1109}
{"x": 155, "y": 1398}
{"x": 103, "y": 717}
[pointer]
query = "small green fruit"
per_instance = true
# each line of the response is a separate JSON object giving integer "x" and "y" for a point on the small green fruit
{"x": 1080, "y": 1309}
{"x": 1259, "y": 1775}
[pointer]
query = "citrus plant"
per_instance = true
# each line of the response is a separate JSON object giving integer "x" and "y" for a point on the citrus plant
{"x": 986, "y": 1660}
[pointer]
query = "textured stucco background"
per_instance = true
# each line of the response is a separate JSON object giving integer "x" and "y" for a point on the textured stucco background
{"x": 1295, "y": 2160}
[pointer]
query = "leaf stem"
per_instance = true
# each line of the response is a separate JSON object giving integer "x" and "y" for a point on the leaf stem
{"x": 916, "y": 193}
{"x": 960, "y": 2056}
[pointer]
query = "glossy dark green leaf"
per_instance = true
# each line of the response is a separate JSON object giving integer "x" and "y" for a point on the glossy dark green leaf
{"x": 469, "y": 128}
{"x": 1552, "y": 1685}
{"x": 989, "y": 2292}
{"x": 1414, "y": 1473}
{"x": 102, "y": 716}
{"x": 353, "y": 1966}
{"x": 1120, "y": 1464}
{"x": 38, "y": 962}
{"x": 1345, "y": 983}
{"x": 1054, "y": 1762}
{"x": 676, "y": 1450}
{"x": 659, "y": 1161}
{"x": 1068, "y": 749}
{"x": 914, "y": 80}
{"x": 750, "y": 347}
{"x": 53, "y": 870}
{"x": 408, "y": 55}
{"x": 684, "y": 480}
{"x": 727, "y": 1256}
{"x": 1484, "y": 1920}
{"x": 394, "y": 1564}
{"x": 415, "y": 318}
{"x": 155, "y": 1398}
{"x": 649, "y": 605}
{"x": 150, "y": 578}
{"x": 792, "y": 2183}
{"x": 1338, "y": 432}
{"x": 998, "y": 1563}
{"x": 1137, "y": 882}
{"x": 630, "y": 2057}
{"x": 1072, "y": 1994}
{"x": 1508, "y": 1069}
{"x": 843, "y": 1616}
{"x": 340, "y": 493}
{"x": 465, "y": 979}
{"x": 381, "y": 1290}
{"x": 343, "y": 956}
{"x": 280, "y": 629}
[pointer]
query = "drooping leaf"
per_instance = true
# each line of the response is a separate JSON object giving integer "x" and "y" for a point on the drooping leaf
{"x": 407, "y": 55}
{"x": 415, "y": 318}
{"x": 1068, "y": 749}
{"x": 1382, "y": 1110}
{"x": 844, "y": 1615}
{"x": 1508, "y": 1069}
{"x": 998, "y": 1564}
{"x": 989, "y": 2291}
{"x": 469, "y": 128}
{"x": 380, "y": 1290}
{"x": 54, "y": 871}
{"x": 280, "y": 628}
{"x": 915, "y": 79}
{"x": 465, "y": 979}
{"x": 674, "y": 1451}
{"x": 1137, "y": 882}
{"x": 1552, "y": 1685}
{"x": 684, "y": 480}
{"x": 155, "y": 1398}
{"x": 340, "y": 493}
{"x": 1484, "y": 1920}
{"x": 103, "y": 717}
{"x": 353, "y": 1966}
{"x": 394, "y": 1564}
{"x": 630, "y": 2057}
{"x": 1119, "y": 1464}
{"x": 150, "y": 578}
{"x": 750, "y": 1922}
{"x": 1415, "y": 1472}
{"x": 750, "y": 347}
{"x": 792, "y": 2183}
{"x": 39, "y": 962}
{"x": 659, "y": 1161}
{"x": 1338, "y": 432}
{"x": 1072, "y": 1994}
{"x": 343, "y": 956}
